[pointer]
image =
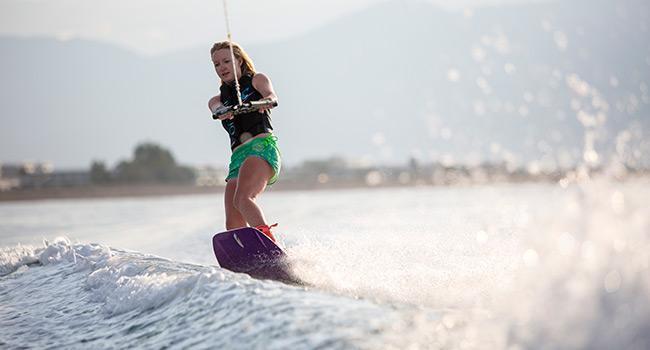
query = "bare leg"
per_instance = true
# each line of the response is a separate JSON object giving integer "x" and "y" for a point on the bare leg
{"x": 234, "y": 219}
{"x": 253, "y": 176}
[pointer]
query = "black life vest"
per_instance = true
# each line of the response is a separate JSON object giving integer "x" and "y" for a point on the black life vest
{"x": 244, "y": 126}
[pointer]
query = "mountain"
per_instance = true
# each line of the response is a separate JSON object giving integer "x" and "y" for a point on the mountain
{"x": 538, "y": 81}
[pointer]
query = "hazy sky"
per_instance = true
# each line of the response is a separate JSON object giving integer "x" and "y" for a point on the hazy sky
{"x": 155, "y": 26}
{"x": 456, "y": 86}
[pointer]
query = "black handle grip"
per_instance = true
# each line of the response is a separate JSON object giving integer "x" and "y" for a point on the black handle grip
{"x": 244, "y": 108}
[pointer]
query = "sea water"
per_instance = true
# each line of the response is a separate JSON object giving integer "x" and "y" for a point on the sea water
{"x": 509, "y": 266}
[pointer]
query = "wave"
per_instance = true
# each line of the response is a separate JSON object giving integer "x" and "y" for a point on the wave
{"x": 569, "y": 270}
{"x": 89, "y": 295}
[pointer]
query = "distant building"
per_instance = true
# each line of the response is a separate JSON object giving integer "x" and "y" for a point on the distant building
{"x": 69, "y": 179}
{"x": 9, "y": 177}
{"x": 39, "y": 175}
{"x": 210, "y": 176}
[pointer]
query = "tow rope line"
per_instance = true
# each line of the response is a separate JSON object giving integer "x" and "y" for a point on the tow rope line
{"x": 232, "y": 52}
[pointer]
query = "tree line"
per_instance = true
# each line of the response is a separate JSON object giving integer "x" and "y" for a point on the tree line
{"x": 151, "y": 164}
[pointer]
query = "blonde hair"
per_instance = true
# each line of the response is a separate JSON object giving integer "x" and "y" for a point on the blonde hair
{"x": 247, "y": 67}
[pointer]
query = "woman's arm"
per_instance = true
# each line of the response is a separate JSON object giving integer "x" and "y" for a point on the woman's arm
{"x": 262, "y": 83}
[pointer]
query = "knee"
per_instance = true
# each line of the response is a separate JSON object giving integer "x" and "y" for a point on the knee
{"x": 242, "y": 199}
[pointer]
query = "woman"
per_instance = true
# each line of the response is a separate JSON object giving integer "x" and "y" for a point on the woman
{"x": 255, "y": 160}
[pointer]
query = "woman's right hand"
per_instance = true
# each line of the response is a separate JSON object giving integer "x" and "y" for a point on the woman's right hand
{"x": 215, "y": 106}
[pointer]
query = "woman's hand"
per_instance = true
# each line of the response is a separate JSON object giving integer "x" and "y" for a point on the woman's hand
{"x": 215, "y": 106}
{"x": 270, "y": 104}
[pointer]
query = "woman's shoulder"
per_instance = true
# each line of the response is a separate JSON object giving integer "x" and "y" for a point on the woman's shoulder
{"x": 259, "y": 76}
{"x": 260, "y": 79}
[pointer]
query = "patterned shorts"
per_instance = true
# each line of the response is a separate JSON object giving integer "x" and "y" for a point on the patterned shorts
{"x": 263, "y": 147}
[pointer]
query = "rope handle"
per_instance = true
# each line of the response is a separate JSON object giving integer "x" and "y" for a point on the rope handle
{"x": 244, "y": 108}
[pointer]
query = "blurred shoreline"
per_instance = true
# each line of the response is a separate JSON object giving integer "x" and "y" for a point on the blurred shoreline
{"x": 113, "y": 191}
{"x": 162, "y": 190}
{"x": 139, "y": 191}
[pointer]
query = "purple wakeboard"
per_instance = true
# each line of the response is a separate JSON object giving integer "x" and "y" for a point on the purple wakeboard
{"x": 249, "y": 251}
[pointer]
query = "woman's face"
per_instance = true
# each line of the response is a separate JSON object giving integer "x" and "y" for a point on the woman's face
{"x": 223, "y": 65}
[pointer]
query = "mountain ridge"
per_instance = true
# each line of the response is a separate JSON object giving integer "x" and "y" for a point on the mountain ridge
{"x": 494, "y": 85}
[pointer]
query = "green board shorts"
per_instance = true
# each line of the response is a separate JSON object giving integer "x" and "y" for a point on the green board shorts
{"x": 263, "y": 147}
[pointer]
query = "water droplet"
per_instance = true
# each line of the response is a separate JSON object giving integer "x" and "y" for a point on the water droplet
{"x": 612, "y": 281}
{"x": 323, "y": 178}
{"x": 561, "y": 40}
{"x": 445, "y": 133}
{"x": 478, "y": 54}
{"x": 523, "y": 110}
{"x": 575, "y": 104}
{"x": 481, "y": 237}
{"x": 564, "y": 182}
{"x": 620, "y": 245}
{"x": 447, "y": 160}
{"x": 587, "y": 120}
{"x": 530, "y": 258}
{"x": 378, "y": 139}
{"x": 486, "y": 40}
{"x": 618, "y": 202}
{"x": 453, "y": 75}
{"x": 483, "y": 85}
{"x": 448, "y": 321}
{"x": 591, "y": 157}
{"x": 374, "y": 178}
{"x": 566, "y": 243}
{"x": 502, "y": 45}
{"x": 479, "y": 108}
{"x": 579, "y": 86}
{"x": 529, "y": 97}
{"x": 588, "y": 252}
